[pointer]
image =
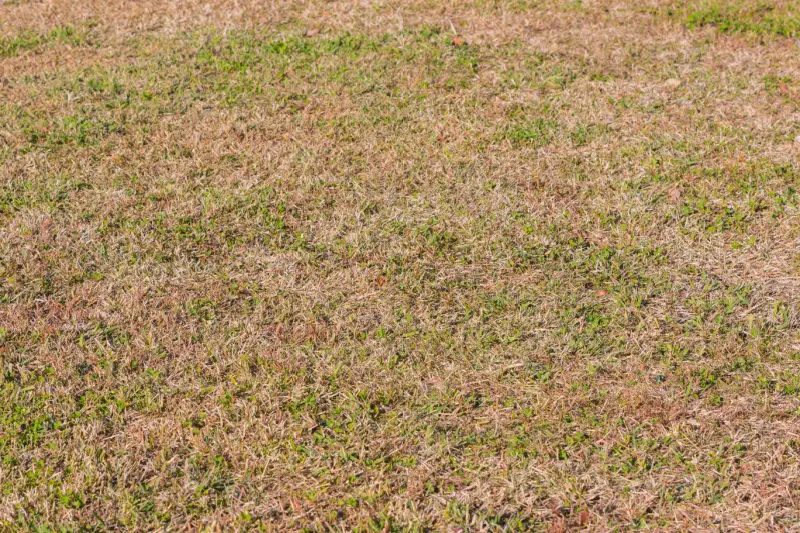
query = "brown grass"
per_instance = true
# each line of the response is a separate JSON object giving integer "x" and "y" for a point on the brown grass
{"x": 501, "y": 265}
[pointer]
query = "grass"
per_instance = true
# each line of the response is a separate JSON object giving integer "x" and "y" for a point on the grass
{"x": 762, "y": 18}
{"x": 327, "y": 267}
{"x": 31, "y": 40}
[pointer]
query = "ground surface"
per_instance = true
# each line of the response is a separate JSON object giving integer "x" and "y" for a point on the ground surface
{"x": 386, "y": 266}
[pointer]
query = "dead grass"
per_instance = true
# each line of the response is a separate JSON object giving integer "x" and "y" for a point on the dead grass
{"x": 325, "y": 266}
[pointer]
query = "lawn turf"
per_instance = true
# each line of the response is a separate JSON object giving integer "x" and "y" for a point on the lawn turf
{"x": 495, "y": 265}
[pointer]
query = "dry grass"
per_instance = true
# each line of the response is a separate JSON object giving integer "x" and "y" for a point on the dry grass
{"x": 502, "y": 265}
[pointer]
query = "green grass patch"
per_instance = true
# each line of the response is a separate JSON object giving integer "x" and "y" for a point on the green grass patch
{"x": 762, "y": 18}
{"x": 30, "y": 40}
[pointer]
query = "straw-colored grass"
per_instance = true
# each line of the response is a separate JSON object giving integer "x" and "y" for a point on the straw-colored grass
{"x": 495, "y": 265}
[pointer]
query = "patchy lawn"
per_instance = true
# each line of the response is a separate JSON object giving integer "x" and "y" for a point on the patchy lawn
{"x": 496, "y": 265}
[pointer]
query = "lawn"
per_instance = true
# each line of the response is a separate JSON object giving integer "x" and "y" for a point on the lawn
{"x": 399, "y": 265}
